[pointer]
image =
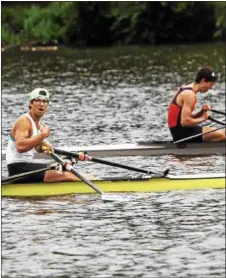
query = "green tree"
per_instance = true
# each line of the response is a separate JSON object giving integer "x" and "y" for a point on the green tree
{"x": 96, "y": 23}
{"x": 49, "y": 23}
{"x": 220, "y": 14}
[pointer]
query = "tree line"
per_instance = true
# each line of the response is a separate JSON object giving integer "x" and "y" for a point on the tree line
{"x": 105, "y": 23}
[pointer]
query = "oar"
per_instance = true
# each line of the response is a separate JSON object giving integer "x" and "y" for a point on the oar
{"x": 218, "y": 112}
{"x": 216, "y": 121}
{"x": 70, "y": 168}
{"x": 197, "y": 135}
{"x": 26, "y": 174}
{"x": 106, "y": 162}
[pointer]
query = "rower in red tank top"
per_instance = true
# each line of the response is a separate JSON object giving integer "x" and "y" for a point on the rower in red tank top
{"x": 182, "y": 122}
{"x": 174, "y": 112}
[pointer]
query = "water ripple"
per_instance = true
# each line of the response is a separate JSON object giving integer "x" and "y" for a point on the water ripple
{"x": 113, "y": 96}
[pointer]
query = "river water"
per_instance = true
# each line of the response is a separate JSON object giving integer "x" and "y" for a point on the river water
{"x": 113, "y": 96}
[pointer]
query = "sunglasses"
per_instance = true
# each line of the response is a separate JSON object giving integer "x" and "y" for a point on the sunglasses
{"x": 45, "y": 101}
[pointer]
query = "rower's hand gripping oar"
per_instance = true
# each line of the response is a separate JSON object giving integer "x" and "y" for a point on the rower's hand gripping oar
{"x": 110, "y": 163}
{"x": 71, "y": 169}
{"x": 207, "y": 132}
{"x": 105, "y": 197}
{"x": 199, "y": 114}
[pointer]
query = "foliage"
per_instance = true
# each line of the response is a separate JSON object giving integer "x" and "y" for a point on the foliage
{"x": 94, "y": 23}
{"x": 48, "y": 23}
{"x": 12, "y": 24}
{"x": 126, "y": 15}
{"x": 156, "y": 22}
{"x": 220, "y": 14}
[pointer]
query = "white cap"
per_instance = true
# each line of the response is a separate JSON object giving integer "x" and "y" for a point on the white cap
{"x": 39, "y": 93}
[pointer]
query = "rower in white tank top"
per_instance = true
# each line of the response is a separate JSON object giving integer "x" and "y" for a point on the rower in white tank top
{"x": 20, "y": 152}
{"x": 12, "y": 155}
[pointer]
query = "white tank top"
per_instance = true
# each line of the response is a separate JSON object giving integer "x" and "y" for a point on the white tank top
{"x": 12, "y": 155}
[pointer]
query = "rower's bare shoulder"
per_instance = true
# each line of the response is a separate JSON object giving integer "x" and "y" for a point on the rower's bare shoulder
{"x": 188, "y": 94}
{"x": 22, "y": 122}
{"x": 187, "y": 98}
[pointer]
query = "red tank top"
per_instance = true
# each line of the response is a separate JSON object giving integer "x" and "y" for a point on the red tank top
{"x": 174, "y": 112}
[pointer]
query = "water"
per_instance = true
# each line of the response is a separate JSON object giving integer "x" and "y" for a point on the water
{"x": 167, "y": 234}
{"x": 113, "y": 96}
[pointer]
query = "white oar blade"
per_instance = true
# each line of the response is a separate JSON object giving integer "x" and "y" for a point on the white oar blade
{"x": 109, "y": 197}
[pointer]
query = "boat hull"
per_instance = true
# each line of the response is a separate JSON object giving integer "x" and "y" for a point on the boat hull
{"x": 125, "y": 185}
{"x": 146, "y": 149}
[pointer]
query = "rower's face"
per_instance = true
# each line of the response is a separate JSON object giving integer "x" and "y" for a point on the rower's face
{"x": 39, "y": 106}
{"x": 206, "y": 86}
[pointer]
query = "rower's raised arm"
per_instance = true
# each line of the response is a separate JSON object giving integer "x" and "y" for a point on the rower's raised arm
{"x": 187, "y": 119}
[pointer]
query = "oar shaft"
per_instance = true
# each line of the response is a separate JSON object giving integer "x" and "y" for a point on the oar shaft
{"x": 106, "y": 162}
{"x": 197, "y": 135}
{"x": 218, "y": 112}
{"x": 216, "y": 121}
{"x": 86, "y": 180}
{"x": 24, "y": 175}
{"x": 71, "y": 169}
{"x": 66, "y": 153}
{"x": 114, "y": 164}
